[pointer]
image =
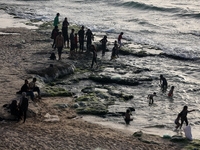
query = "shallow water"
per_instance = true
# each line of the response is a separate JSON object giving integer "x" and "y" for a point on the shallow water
{"x": 170, "y": 26}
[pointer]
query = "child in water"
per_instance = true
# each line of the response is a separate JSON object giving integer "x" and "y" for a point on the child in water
{"x": 171, "y": 91}
{"x": 150, "y": 97}
{"x": 177, "y": 121}
{"x": 127, "y": 117}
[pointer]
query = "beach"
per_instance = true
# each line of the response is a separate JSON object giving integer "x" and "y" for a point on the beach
{"x": 22, "y": 49}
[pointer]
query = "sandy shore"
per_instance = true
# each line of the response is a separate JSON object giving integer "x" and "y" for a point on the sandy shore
{"x": 25, "y": 49}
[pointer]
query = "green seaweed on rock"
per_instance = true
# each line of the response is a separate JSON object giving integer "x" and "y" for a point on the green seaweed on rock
{"x": 55, "y": 91}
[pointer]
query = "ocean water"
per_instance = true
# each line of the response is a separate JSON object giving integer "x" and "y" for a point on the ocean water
{"x": 172, "y": 26}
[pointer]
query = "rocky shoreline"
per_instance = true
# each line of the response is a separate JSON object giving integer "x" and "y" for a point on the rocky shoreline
{"x": 25, "y": 54}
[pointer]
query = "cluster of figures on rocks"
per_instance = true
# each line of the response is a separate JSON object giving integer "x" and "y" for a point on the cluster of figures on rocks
{"x": 61, "y": 38}
{"x": 19, "y": 109}
{"x": 181, "y": 116}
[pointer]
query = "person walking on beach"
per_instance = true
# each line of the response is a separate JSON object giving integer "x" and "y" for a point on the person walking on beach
{"x": 94, "y": 56}
{"x": 103, "y": 42}
{"x": 163, "y": 82}
{"x": 150, "y": 97}
{"x": 23, "y": 105}
{"x": 89, "y": 36}
{"x": 119, "y": 39}
{"x": 56, "y": 20}
{"x": 72, "y": 40}
{"x": 183, "y": 115}
{"x": 33, "y": 87}
{"x": 81, "y": 34}
{"x": 65, "y": 25}
{"x": 59, "y": 44}
{"x": 54, "y": 34}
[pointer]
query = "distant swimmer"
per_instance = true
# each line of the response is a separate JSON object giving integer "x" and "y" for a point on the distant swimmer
{"x": 127, "y": 116}
{"x": 150, "y": 97}
{"x": 171, "y": 91}
{"x": 183, "y": 115}
{"x": 163, "y": 82}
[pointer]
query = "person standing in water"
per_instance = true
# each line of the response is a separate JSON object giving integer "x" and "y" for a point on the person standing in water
{"x": 119, "y": 39}
{"x": 127, "y": 117}
{"x": 163, "y": 82}
{"x": 150, "y": 97}
{"x": 171, "y": 91}
{"x": 183, "y": 115}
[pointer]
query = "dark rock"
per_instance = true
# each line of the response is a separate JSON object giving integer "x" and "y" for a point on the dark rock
{"x": 51, "y": 73}
{"x": 138, "y": 134}
{"x": 107, "y": 79}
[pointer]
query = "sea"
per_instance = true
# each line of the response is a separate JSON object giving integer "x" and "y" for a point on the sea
{"x": 170, "y": 26}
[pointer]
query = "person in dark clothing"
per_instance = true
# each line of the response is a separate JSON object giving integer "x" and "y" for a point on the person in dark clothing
{"x": 72, "y": 40}
{"x": 23, "y": 105}
{"x": 59, "y": 44}
{"x": 89, "y": 36}
{"x": 34, "y": 88}
{"x": 171, "y": 91}
{"x": 150, "y": 97}
{"x": 65, "y": 25}
{"x": 25, "y": 88}
{"x": 94, "y": 57}
{"x": 163, "y": 82}
{"x": 127, "y": 117}
{"x": 54, "y": 34}
{"x": 53, "y": 56}
{"x": 183, "y": 115}
{"x": 177, "y": 121}
{"x": 14, "y": 110}
{"x": 81, "y": 33}
{"x": 103, "y": 42}
{"x": 114, "y": 51}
